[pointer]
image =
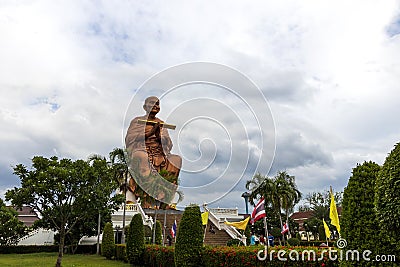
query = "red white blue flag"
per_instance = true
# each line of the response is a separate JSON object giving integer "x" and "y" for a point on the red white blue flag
{"x": 173, "y": 230}
{"x": 285, "y": 228}
{"x": 259, "y": 211}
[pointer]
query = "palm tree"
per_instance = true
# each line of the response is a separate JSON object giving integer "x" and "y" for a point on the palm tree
{"x": 279, "y": 192}
{"x": 289, "y": 193}
{"x": 120, "y": 167}
{"x": 263, "y": 186}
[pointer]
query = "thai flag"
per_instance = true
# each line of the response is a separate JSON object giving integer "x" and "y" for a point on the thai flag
{"x": 285, "y": 229}
{"x": 259, "y": 211}
{"x": 173, "y": 229}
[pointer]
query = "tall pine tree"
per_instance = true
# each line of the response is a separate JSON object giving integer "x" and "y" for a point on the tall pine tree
{"x": 358, "y": 214}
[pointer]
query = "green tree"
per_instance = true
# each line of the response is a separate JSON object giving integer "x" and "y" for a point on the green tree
{"x": 280, "y": 193}
{"x": 358, "y": 219}
{"x": 66, "y": 193}
{"x": 387, "y": 202}
{"x": 289, "y": 193}
{"x": 108, "y": 241}
{"x": 11, "y": 229}
{"x": 319, "y": 203}
{"x": 189, "y": 241}
{"x": 264, "y": 187}
{"x": 135, "y": 240}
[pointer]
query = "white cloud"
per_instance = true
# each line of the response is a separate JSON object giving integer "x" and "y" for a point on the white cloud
{"x": 330, "y": 71}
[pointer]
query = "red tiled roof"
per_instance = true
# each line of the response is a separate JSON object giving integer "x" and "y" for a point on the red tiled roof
{"x": 302, "y": 215}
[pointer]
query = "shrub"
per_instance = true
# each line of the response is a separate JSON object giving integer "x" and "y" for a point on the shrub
{"x": 135, "y": 240}
{"x": 108, "y": 242}
{"x": 234, "y": 242}
{"x": 358, "y": 220}
{"x": 155, "y": 256}
{"x": 387, "y": 203}
{"x": 148, "y": 235}
{"x": 293, "y": 241}
{"x": 189, "y": 241}
{"x": 120, "y": 252}
{"x": 27, "y": 249}
{"x": 158, "y": 240}
{"x": 298, "y": 236}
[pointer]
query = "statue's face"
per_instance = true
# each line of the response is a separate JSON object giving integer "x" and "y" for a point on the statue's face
{"x": 152, "y": 105}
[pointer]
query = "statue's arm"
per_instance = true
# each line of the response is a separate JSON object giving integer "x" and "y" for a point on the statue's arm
{"x": 166, "y": 140}
{"x": 140, "y": 132}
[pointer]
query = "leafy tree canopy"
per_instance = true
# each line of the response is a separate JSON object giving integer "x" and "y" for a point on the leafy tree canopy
{"x": 11, "y": 229}
{"x": 65, "y": 192}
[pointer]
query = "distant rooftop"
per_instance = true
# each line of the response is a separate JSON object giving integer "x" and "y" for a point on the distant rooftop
{"x": 26, "y": 215}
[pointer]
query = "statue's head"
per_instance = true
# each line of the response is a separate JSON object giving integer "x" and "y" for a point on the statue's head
{"x": 151, "y": 105}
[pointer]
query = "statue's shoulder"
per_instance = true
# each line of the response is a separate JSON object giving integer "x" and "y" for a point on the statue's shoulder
{"x": 139, "y": 118}
{"x": 158, "y": 119}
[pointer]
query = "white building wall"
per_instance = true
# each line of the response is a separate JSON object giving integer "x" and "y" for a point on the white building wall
{"x": 38, "y": 237}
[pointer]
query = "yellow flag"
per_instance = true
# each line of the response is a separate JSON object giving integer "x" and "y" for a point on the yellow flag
{"x": 239, "y": 225}
{"x": 333, "y": 215}
{"x": 204, "y": 217}
{"x": 327, "y": 231}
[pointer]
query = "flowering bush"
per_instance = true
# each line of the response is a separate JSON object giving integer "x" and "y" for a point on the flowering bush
{"x": 155, "y": 256}
{"x": 158, "y": 256}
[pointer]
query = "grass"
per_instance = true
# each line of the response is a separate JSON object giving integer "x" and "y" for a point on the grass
{"x": 49, "y": 260}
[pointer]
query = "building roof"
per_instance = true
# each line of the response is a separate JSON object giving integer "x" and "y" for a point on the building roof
{"x": 26, "y": 215}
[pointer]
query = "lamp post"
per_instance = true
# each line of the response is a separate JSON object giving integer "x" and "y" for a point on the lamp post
{"x": 246, "y": 196}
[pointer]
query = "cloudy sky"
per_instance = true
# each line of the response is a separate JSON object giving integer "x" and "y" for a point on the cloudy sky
{"x": 310, "y": 87}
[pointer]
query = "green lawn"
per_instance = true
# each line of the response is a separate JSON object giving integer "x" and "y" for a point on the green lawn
{"x": 49, "y": 259}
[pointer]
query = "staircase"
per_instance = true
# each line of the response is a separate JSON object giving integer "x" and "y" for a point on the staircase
{"x": 215, "y": 237}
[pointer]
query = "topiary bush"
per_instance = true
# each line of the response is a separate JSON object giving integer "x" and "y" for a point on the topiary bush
{"x": 148, "y": 235}
{"x": 358, "y": 220}
{"x": 158, "y": 240}
{"x": 189, "y": 241}
{"x": 135, "y": 240}
{"x": 293, "y": 241}
{"x": 387, "y": 203}
{"x": 108, "y": 242}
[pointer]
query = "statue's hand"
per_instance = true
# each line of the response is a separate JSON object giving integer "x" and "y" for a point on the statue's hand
{"x": 156, "y": 130}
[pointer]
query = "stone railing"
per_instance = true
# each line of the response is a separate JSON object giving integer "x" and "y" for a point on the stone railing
{"x": 224, "y": 212}
{"x": 147, "y": 220}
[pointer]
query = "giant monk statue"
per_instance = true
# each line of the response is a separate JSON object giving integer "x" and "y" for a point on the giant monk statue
{"x": 149, "y": 150}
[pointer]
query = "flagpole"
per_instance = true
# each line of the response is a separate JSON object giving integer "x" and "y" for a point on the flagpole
{"x": 205, "y": 231}
{"x": 165, "y": 226}
{"x": 176, "y": 230}
{"x": 266, "y": 232}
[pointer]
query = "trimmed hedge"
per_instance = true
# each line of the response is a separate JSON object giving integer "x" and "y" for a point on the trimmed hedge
{"x": 27, "y": 249}
{"x": 120, "y": 253}
{"x": 293, "y": 241}
{"x": 247, "y": 256}
{"x": 156, "y": 256}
